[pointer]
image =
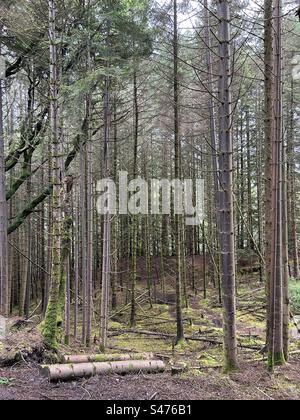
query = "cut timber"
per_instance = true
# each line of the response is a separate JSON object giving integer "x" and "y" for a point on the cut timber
{"x": 87, "y": 370}
{"x": 96, "y": 358}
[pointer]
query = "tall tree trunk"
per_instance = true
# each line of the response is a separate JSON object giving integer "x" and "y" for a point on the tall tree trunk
{"x": 115, "y": 227}
{"x": 285, "y": 256}
{"x": 147, "y": 238}
{"x": 134, "y": 222}
{"x": 204, "y": 262}
{"x": 28, "y": 278}
{"x": 276, "y": 355}
{"x": 43, "y": 275}
{"x": 291, "y": 175}
{"x": 76, "y": 265}
{"x": 67, "y": 268}
{"x": 259, "y": 170}
{"x": 4, "y": 292}
{"x": 89, "y": 196}
{"x": 178, "y": 218}
{"x": 226, "y": 189}
{"x": 89, "y": 211}
{"x": 249, "y": 184}
{"x": 269, "y": 132}
{"x": 242, "y": 188}
{"x": 213, "y": 137}
{"x": 50, "y": 325}
{"x": 83, "y": 224}
{"x": 49, "y": 235}
{"x": 106, "y": 269}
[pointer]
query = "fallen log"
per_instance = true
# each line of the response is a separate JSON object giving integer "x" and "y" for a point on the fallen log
{"x": 250, "y": 293}
{"x": 96, "y": 358}
{"x": 66, "y": 372}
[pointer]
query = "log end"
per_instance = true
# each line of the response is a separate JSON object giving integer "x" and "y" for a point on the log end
{"x": 44, "y": 371}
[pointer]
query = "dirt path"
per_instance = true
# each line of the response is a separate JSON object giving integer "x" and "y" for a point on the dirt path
{"x": 253, "y": 382}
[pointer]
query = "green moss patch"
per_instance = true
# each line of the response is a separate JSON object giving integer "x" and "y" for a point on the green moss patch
{"x": 295, "y": 296}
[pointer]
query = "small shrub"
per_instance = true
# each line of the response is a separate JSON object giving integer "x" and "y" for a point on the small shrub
{"x": 4, "y": 381}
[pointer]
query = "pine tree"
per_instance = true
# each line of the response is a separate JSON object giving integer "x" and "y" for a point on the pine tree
{"x": 226, "y": 190}
{"x": 4, "y": 292}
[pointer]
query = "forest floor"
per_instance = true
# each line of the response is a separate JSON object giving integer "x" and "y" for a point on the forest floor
{"x": 253, "y": 382}
{"x": 201, "y": 355}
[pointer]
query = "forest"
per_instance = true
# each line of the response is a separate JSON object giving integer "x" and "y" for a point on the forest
{"x": 149, "y": 200}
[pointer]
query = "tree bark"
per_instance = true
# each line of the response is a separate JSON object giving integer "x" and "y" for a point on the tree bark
{"x": 134, "y": 218}
{"x": 269, "y": 133}
{"x": 213, "y": 138}
{"x": 226, "y": 189}
{"x": 178, "y": 218}
{"x": 4, "y": 292}
{"x": 276, "y": 355}
{"x": 291, "y": 185}
{"x": 50, "y": 324}
{"x": 87, "y": 370}
{"x": 285, "y": 259}
{"x": 97, "y": 358}
{"x": 106, "y": 269}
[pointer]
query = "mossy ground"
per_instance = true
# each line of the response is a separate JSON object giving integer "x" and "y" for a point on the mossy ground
{"x": 202, "y": 321}
{"x": 204, "y": 376}
{"x": 295, "y": 296}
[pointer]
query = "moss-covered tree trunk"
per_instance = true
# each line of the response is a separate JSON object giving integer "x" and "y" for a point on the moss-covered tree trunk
{"x": 50, "y": 324}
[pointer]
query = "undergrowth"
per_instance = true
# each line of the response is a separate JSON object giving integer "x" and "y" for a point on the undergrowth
{"x": 295, "y": 296}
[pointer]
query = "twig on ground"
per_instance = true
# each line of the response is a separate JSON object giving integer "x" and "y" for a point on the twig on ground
{"x": 153, "y": 396}
{"x": 266, "y": 395}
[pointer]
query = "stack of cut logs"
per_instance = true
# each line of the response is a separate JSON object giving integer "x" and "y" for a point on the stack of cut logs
{"x": 86, "y": 366}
